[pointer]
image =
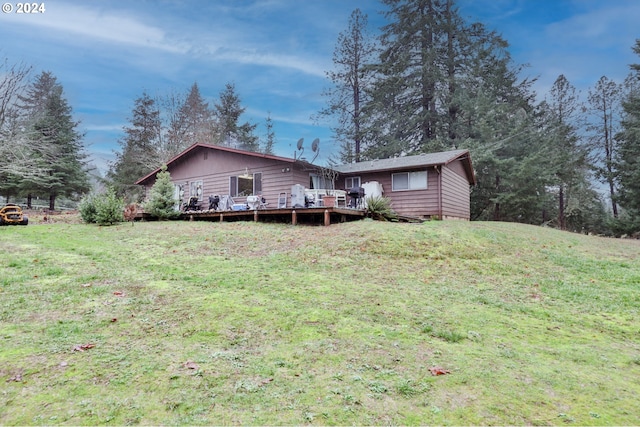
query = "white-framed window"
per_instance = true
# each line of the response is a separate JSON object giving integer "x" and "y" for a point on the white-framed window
{"x": 404, "y": 181}
{"x": 245, "y": 185}
{"x": 352, "y": 182}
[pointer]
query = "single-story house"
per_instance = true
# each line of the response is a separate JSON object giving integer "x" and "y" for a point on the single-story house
{"x": 430, "y": 185}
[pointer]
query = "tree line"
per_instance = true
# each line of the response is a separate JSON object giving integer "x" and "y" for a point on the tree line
{"x": 164, "y": 126}
{"x": 428, "y": 80}
{"x": 432, "y": 81}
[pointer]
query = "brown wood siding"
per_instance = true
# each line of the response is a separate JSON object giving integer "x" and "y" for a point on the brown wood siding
{"x": 455, "y": 194}
{"x": 417, "y": 203}
{"x": 216, "y": 167}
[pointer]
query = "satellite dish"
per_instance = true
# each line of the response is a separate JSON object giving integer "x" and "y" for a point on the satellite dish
{"x": 300, "y": 141}
{"x": 315, "y": 146}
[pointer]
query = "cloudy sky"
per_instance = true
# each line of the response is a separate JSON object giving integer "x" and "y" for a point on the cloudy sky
{"x": 106, "y": 53}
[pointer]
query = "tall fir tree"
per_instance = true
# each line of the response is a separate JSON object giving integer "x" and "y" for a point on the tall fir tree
{"x": 140, "y": 154}
{"x": 270, "y": 140}
{"x": 192, "y": 123}
{"x": 627, "y": 164}
{"x": 604, "y": 101}
{"x": 567, "y": 159}
{"x": 350, "y": 78}
{"x": 227, "y": 113}
{"x": 58, "y": 161}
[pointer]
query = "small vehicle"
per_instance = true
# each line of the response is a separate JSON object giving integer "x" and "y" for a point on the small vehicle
{"x": 12, "y": 215}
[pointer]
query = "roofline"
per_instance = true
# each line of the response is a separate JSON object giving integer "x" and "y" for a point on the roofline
{"x": 214, "y": 147}
{"x": 463, "y": 154}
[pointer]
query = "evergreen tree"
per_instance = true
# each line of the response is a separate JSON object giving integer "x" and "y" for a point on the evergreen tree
{"x": 162, "y": 203}
{"x": 566, "y": 158}
{"x": 227, "y": 113}
{"x": 628, "y": 160}
{"x": 604, "y": 101}
{"x": 350, "y": 78}
{"x": 56, "y": 156}
{"x": 271, "y": 136}
{"x": 433, "y": 70}
{"x": 140, "y": 149}
{"x": 192, "y": 123}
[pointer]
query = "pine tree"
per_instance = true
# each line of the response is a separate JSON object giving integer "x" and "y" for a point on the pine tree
{"x": 566, "y": 158}
{"x": 192, "y": 123}
{"x": 628, "y": 160}
{"x": 162, "y": 203}
{"x": 433, "y": 69}
{"x": 351, "y": 76}
{"x": 227, "y": 113}
{"x": 57, "y": 160}
{"x": 271, "y": 136}
{"x": 604, "y": 100}
{"x": 140, "y": 149}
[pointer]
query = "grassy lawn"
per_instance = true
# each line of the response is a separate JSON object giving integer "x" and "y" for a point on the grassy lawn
{"x": 241, "y": 323}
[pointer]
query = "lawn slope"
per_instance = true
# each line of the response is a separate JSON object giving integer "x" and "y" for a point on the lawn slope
{"x": 253, "y": 324}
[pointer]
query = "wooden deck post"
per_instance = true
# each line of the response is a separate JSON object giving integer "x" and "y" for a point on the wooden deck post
{"x": 255, "y": 216}
{"x": 294, "y": 217}
{"x": 327, "y": 218}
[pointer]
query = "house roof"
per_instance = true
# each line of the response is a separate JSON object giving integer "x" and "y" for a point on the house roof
{"x": 396, "y": 163}
{"x": 213, "y": 147}
{"x": 407, "y": 162}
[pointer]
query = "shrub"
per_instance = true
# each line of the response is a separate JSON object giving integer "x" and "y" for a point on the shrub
{"x": 161, "y": 203}
{"x": 379, "y": 208}
{"x": 109, "y": 208}
{"x": 103, "y": 209}
{"x": 87, "y": 208}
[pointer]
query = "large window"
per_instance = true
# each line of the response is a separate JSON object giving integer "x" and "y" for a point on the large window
{"x": 409, "y": 181}
{"x": 245, "y": 185}
{"x": 352, "y": 182}
{"x": 320, "y": 182}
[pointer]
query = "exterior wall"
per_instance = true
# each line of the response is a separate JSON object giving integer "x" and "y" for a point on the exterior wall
{"x": 214, "y": 167}
{"x": 456, "y": 201}
{"x": 450, "y": 201}
{"x": 416, "y": 203}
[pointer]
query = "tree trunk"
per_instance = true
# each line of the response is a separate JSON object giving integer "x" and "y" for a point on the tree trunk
{"x": 52, "y": 202}
{"x": 29, "y": 201}
{"x": 561, "y": 223}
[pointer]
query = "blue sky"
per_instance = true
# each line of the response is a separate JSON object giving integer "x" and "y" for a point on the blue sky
{"x": 105, "y": 53}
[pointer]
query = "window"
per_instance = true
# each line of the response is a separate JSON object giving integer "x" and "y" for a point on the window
{"x": 409, "y": 181}
{"x": 352, "y": 182}
{"x": 320, "y": 182}
{"x": 245, "y": 185}
{"x": 195, "y": 189}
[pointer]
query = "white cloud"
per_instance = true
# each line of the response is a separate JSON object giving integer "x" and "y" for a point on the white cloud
{"x": 114, "y": 27}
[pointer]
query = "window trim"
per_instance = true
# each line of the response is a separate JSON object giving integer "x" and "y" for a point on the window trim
{"x": 352, "y": 178}
{"x": 409, "y": 174}
{"x": 256, "y": 184}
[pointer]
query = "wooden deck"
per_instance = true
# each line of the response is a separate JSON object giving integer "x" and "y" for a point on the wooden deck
{"x": 318, "y": 216}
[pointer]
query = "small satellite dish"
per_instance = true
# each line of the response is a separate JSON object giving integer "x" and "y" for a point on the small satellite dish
{"x": 300, "y": 141}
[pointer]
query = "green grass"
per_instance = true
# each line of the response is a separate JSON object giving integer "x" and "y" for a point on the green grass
{"x": 242, "y": 323}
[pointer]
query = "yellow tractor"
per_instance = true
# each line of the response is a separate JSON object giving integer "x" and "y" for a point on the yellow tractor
{"x": 12, "y": 215}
